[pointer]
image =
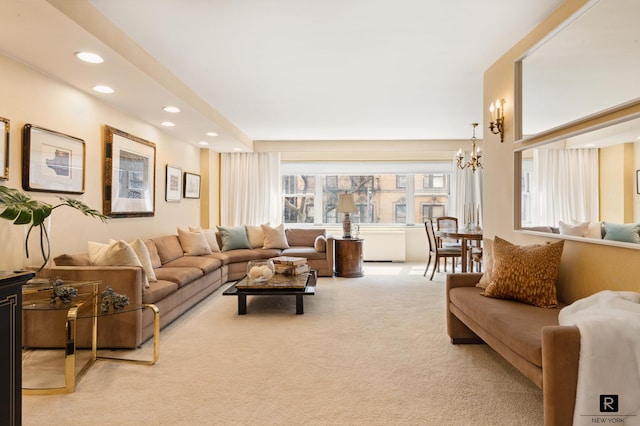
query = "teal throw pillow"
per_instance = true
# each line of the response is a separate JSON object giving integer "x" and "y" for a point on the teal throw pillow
{"x": 625, "y": 232}
{"x": 234, "y": 238}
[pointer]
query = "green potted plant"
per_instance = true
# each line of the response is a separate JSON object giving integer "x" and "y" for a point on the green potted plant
{"x": 23, "y": 210}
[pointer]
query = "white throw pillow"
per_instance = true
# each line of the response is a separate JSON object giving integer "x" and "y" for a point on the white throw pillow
{"x": 116, "y": 253}
{"x": 193, "y": 243}
{"x": 210, "y": 236}
{"x": 275, "y": 238}
{"x": 141, "y": 250}
{"x": 145, "y": 258}
{"x": 255, "y": 235}
{"x": 577, "y": 230}
{"x": 594, "y": 230}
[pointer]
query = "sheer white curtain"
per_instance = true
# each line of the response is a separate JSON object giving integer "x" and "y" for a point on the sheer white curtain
{"x": 250, "y": 189}
{"x": 466, "y": 192}
{"x": 564, "y": 186}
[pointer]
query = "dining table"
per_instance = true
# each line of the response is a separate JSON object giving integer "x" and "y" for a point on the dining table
{"x": 466, "y": 237}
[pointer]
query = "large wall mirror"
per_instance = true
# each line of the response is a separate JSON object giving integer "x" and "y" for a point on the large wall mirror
{"x": 581, "y": 184}
{"x": 587, "y": 65}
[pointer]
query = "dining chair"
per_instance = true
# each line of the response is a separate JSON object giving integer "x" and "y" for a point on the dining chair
{"x": 447, "y": 222}
{"x": 476, "y": 258}
{"x": 438, "y": 253}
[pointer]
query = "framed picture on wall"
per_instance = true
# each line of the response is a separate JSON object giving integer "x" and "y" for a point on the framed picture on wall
{"x": 637, "y": 181}
{"x": 191, "y": 185}
{"x": 4, "y": 148}
{"x": 173, "y": 189}
{"x": 129, "y": 175}
{"x": 52, "y": 161}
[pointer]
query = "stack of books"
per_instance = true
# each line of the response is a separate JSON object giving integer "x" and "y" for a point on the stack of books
{"x": 290, "y": 265}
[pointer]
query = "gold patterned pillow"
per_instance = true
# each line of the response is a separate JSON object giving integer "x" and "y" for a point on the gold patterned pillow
{"x": 525, "y": 273}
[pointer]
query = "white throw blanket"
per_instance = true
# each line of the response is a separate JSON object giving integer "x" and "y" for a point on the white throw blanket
{"x": 609, "y": 370}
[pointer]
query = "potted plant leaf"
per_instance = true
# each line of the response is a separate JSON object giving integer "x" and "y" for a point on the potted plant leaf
{"x": 23, "y": 210}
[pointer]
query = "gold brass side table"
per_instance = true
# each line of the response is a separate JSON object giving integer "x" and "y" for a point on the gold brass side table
{"x": 85, "y": 305}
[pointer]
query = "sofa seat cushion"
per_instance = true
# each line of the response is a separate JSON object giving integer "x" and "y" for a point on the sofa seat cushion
{"x": 244, "y": 255}
{"x": 180, "y": 276}
{"x": 205, "y": 264}
{"x": 158, "y": 291}
{"x": 516, "y": 324}
{"x": 307, "y": 252}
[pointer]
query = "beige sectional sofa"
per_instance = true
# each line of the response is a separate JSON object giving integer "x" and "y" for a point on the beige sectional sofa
{"x": 182, "y": 281}
{"x": 527, "y": 336}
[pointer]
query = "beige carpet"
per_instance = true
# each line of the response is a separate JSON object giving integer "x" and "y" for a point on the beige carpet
{"x": 367, "y": 351}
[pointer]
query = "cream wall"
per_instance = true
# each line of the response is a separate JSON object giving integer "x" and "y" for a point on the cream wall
{"x": 586, "y": 268}
{"x": 617, "y": 174}
{"x": 28, "y": 96}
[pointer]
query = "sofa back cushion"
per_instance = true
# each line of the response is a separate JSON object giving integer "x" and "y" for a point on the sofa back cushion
{"x": 78, "y": 259}
{"x": 302, "y": 236}
{"x": 169, "y": 248}
{"x": 153, "y": 253}
{"x": 193, "y": 243}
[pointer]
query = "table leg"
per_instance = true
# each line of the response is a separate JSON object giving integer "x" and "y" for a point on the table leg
{"x": 242, "y": 304}
{"x": 463, "y": 267}
{"x": 299, "y": 305}
{"x": 156, "y": 341}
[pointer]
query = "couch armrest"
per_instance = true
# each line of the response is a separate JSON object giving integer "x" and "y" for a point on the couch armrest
{"x": 462, "y": 280}
{"x": 458, "y": 330}
{"x": 329, "y": 249}
{"x": 560, "y": 357}
{"x": 128, "y": 280}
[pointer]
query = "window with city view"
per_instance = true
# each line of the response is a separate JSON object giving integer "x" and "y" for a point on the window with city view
{"x": 381, "y": 198}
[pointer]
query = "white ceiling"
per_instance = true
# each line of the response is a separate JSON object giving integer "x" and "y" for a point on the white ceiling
{"x": 279, "y": 69}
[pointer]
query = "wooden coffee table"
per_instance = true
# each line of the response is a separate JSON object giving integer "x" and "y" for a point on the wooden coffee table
{"x": 299, "y": 286}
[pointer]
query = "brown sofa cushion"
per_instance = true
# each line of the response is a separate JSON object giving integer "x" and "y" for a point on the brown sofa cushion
{"x": 525, "y": 273}
{"x": 180, "y": 276}
{"x": 158, "y": 291}
{"x": 307, "y": 252}
{"x": 244, "y": 255}
{"x": 302, "y": 236}
{"x": 204, "y": 263}
{"x": 517, "y": 325}
{"x": 153, "y": 253}
{"x": 78, "y": 259}
{"x": 169, "y": 248}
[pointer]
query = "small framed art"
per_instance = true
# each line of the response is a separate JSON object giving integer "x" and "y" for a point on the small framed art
{"x": 173, "y": 191}
{"x": 129, "y": 175}
{"x": 637, "y": 181}
{"x": 52, "y": 161}
{"x": 4, "y": 148}
{"x": 191, "y": 185}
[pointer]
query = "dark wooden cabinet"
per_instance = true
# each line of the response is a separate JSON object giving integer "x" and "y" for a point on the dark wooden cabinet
{"x": 348, "y": 257}
{"x": 11, "y": 346}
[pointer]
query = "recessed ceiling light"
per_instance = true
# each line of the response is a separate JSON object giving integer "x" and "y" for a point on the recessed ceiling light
{"x": 212, "y": 134}
{"x": 103, "y": 89}
{"x": 168, "y": 124}
{"x": 171, "y": 109}
{"x": 203, "y": 143}
{"x": 237, "y": 149}
{"x": 92, "y": 58}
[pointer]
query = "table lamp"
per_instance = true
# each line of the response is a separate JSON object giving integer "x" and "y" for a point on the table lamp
{"x": 346, "y": 205}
